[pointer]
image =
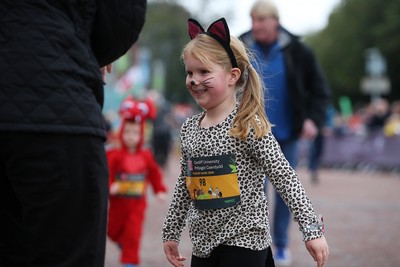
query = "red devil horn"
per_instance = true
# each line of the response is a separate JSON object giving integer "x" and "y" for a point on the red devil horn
{"x": 194, "y": 28}
{"x": 220, "y": 29}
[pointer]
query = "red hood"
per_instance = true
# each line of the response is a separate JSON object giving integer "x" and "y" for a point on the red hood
{"x": 138, "y": 111}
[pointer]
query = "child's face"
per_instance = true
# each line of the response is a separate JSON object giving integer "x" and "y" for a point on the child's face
{"x": 131, "y": 134}
{"x": 210, "y": 86}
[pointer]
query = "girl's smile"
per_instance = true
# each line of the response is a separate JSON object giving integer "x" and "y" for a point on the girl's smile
{"x": 199, "y": 88}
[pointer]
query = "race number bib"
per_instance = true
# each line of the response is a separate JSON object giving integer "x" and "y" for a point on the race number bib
{"x": 130, "y": 185}
{"x": 213, "y": 182}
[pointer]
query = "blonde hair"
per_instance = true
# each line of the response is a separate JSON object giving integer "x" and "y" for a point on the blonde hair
{"x": 251, "y": 111}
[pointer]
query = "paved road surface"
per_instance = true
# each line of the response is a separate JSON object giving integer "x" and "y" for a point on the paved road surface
{"x": 361, "y": 212}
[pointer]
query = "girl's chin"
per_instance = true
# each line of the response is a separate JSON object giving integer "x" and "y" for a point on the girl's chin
{"x": 201, "y": 104}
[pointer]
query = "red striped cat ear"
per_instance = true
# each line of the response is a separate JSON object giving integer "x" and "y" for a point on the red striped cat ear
{"x": 194, "y": 28}
{"x": 219, "y": 31}
{"x": 220, "y": 28}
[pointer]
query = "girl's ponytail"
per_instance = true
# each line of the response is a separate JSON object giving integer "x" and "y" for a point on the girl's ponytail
{"x": 251, "y": 112}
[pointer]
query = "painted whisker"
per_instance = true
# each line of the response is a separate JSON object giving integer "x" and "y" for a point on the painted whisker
{"x": 206, "y": 82}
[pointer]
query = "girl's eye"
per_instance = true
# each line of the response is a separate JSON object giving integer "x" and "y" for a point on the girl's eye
{"x": 189, "y": 73}
{"x": 204, "y": 71}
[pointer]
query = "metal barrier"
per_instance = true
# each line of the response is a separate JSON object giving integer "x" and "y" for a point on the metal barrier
{"x": 352, "y": 151}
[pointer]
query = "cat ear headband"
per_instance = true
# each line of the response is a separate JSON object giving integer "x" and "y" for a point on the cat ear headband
{"x": 219, "y": 31}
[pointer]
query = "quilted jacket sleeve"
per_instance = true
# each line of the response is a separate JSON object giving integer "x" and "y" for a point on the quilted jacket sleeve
{"x": 116, "y": 28}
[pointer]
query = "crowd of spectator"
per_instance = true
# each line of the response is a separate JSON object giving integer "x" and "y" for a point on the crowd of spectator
{"x": 379, "y": 116}
{"x": 367, "y": 138}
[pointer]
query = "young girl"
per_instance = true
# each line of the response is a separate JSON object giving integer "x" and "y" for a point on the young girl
{"x": 132, "y": 168}
{"x": 229, "y": 146}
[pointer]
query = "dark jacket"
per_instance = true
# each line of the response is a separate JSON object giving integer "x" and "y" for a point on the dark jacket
{"x": 309, "y": 92}
{"x": 51, "y": 52}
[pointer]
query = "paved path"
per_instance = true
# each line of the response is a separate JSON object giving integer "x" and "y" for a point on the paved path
{"x": 361, "y": 212}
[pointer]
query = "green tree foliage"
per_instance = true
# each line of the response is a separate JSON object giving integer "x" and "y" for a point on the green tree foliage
{"x": 164, "y": 34}
{"x": 354, "y": 26}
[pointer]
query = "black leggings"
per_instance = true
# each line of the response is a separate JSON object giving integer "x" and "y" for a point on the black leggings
{"x": 230, "y": 256}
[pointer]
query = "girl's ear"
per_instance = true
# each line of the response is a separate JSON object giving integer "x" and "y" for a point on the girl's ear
{"x": 235, "y": 75}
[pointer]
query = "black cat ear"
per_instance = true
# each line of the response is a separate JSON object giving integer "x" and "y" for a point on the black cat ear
{"x": 194, "y": 28}
{"x": 220, "y": 28}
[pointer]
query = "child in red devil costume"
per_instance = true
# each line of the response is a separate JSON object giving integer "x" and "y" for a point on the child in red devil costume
{"x": 131, "y": 168}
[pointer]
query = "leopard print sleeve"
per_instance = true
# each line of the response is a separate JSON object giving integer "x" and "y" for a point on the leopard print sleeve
{"x": 175, "y": 219}
{"x": 287, "y": 184}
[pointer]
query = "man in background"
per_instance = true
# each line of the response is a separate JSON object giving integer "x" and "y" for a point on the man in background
{"x": 295, "y": 98}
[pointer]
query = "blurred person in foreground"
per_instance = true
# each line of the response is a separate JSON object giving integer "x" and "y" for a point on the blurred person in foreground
{"x": 297, "y": 94}
{"x": 53, "y": 168}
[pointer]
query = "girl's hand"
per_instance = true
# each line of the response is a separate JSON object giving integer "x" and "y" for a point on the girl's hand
{"x": 172, "y": 253}
{"x": 319, "y": 250}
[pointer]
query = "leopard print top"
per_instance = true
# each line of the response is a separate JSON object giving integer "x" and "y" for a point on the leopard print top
{"x": 244, "y": 225}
